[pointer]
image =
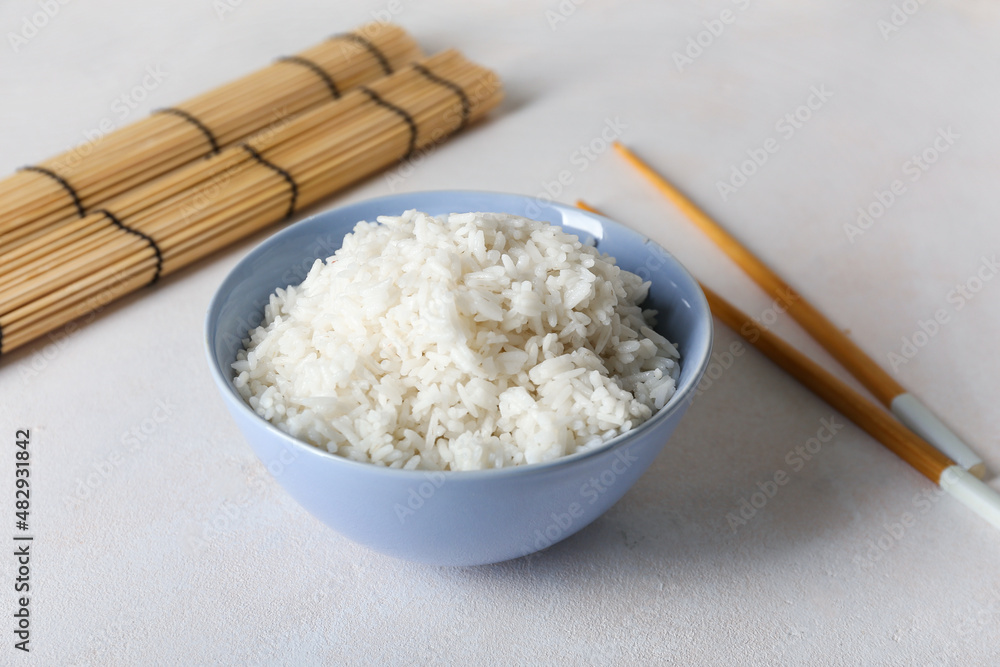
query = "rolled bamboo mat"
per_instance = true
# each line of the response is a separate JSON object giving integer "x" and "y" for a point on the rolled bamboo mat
{"x": 158, "y": 228}
{"x": 68, "y": 186}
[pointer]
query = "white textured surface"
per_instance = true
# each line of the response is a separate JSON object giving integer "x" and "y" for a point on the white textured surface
{"x": 120, "y": 576}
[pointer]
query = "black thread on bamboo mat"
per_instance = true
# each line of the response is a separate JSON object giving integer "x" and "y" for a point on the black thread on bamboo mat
{"x": 317, "y": 70}
{"x": 180, "y": 113}
{"x": 401, "y": 113}
{"x": 450, "y": 85}
{"x": 145, "y": 237}
{"x": 374, "y": 50}
{"x": 63, "y": 182}
{"x": 287, "y": 176}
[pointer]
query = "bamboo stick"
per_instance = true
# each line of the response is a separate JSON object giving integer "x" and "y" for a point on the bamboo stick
{"x": 33, "y": 203}
{"x": 164, "y": 225}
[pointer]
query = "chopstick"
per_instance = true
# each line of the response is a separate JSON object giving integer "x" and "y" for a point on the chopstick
{"x": 904, "y": 443}
{"x": 907, "y": 407}
{"x": 925, "y": 459}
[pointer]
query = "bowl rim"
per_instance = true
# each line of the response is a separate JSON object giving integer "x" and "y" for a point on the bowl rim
{"x": 676, "y": 402}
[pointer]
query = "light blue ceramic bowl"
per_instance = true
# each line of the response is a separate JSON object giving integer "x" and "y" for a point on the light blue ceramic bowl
{"x": 456, "y": 518}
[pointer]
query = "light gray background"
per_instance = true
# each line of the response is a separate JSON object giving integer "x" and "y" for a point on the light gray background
{"x": 183, "y": 551}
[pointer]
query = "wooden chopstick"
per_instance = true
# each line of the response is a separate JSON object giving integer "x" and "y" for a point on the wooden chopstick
{"x": 927, "y": 460}
{"x": 907, "y": 408}
{"x": 908, "y": 446}
{"x": 901, "y": 441}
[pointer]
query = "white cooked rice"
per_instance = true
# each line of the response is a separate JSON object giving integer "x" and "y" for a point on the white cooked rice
{"x": 458, "y": 342}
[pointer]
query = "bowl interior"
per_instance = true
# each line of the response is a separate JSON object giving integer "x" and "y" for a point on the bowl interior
{"x": 285, "y": 258}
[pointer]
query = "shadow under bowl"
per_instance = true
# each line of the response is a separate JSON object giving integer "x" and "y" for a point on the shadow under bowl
{"x": 456, "y": 517}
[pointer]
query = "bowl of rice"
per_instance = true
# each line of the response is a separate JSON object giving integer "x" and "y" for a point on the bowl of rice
{"x": 456, "y": 377}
